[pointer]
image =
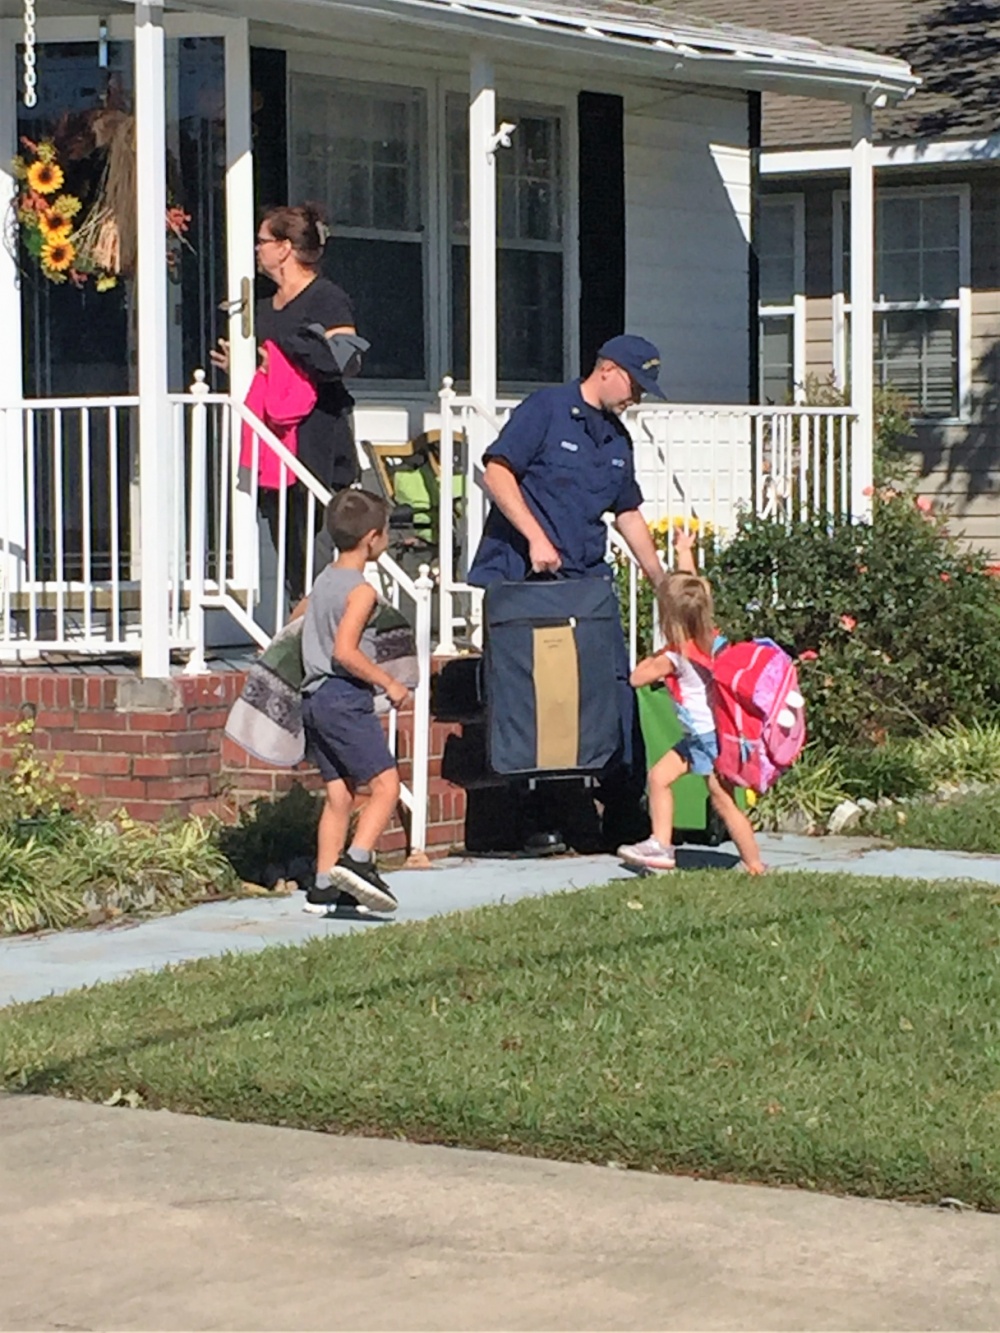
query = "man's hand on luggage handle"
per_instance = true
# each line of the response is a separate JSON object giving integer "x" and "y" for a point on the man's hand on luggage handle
{"x": 545, "y": 559}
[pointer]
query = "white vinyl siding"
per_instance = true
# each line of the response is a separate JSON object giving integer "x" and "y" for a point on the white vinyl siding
{"x": 688, "y": 206}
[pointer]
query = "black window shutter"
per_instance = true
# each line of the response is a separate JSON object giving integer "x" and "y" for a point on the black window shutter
{"x": 601, "y": 123}
{"x": 269, "y": 118}
{"x": 753, "y": 267}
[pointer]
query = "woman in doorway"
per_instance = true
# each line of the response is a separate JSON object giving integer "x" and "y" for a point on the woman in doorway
{"x": 289, "y": 247}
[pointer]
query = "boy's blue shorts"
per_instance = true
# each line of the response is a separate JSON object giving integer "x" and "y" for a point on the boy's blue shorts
{"x": 344, "y": 738}
{"x": 700, "y": 752}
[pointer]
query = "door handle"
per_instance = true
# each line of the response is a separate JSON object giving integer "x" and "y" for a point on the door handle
{"x": 246, "y": 309}
{"x": 243, "y": 307}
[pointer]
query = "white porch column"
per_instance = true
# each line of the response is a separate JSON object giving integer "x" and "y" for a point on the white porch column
{"x": 482, "y": 276}
{"x": 151, "y": 303}
{"x": 862, "y": 318}
{"x": 241, "y": 265}
{"x": 13, "y": 503}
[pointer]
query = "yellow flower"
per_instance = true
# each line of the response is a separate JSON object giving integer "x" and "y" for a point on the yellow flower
{"x": 46, "y": 151}
{"x": 53, "y": 227}
{"x": 67, "y": 206}
{"x": 45, "y": 177}
{"x": 105, "y": 282}
{"x": 57, "y": 256}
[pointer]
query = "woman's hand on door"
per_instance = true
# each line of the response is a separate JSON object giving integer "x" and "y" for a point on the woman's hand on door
{"x": 220, "y": 358}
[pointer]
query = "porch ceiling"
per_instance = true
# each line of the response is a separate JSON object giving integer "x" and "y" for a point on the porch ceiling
{"x": 619, "y": 33}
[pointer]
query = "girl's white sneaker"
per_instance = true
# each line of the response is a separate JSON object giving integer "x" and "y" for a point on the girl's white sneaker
{"x": 648, "y": 855}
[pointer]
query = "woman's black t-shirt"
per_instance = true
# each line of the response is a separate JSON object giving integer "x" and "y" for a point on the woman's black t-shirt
{"x": 325, "y": 437}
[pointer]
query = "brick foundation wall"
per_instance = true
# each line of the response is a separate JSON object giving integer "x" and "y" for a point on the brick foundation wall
{"x": 157, "y": 748}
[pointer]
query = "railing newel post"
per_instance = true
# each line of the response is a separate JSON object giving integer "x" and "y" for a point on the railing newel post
{"x": 197, "y": 522}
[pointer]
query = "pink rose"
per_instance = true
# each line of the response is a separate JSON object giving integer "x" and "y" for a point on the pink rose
{"x": 808, "y": 656}
{"x": 945, "y": 576}
{"x": 848, "y": 623}
{"x": 924, "y": 503}
{"x": 869, "y": 490}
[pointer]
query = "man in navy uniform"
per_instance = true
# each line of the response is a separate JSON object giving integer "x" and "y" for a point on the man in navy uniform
{"x": 563, "y": 461}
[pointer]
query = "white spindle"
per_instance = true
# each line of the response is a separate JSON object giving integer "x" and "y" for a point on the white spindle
{"x": 420, "y": 777}
{"x": 198, "y": 539}
{"x": 85, "y": 499}
{"x": 55, "y": 436}
{"x": 446, "y": 522}
{"x": 116, "y": 628}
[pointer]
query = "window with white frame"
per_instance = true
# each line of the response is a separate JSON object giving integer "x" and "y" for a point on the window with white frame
{"x": 530, "y": 240}
{"x": 922, "y": 260}
{"x": 358, "y": 149}
{"x": 780, "y": 257}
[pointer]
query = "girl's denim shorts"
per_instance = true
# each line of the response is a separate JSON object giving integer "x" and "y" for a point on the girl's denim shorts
{"x": 701, "y": 752}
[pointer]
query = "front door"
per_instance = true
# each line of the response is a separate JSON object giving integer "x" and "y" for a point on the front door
{"x": 68, "y": 316}
{"x": 78, "y": 324}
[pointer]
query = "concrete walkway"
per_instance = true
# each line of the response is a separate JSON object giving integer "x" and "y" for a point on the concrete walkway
{"x": 118, "y": 1219}
{"x": 36, "y": 966}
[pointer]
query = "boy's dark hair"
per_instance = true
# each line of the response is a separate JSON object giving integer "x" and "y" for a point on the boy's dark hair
{"x": 351, "y": 515}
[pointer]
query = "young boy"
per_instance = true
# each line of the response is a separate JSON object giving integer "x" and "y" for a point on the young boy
{"x": 343, "y": 734}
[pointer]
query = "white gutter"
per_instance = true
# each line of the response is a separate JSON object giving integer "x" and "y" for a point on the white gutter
{"x": 735, "y": 59}
{"x": 937, "y": 152}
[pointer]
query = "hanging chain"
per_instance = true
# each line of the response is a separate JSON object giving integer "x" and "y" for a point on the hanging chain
{"x": 30, "y": 74}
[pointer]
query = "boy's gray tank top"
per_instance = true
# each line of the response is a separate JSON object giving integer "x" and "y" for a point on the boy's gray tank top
{"x": 327, "y": 603}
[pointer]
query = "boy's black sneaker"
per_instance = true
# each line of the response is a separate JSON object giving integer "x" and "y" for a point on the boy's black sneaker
{"x": 330, "y": 901}
{"x": 349, "y": 904}
{"x": 362, "y": 880}
{"x": 322, "y": 900}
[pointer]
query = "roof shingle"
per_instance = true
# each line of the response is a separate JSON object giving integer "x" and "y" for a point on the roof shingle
{"x": 953, "y": 45}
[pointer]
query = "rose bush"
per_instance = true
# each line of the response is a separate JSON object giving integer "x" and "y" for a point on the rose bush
{"x": 894, "y": 624}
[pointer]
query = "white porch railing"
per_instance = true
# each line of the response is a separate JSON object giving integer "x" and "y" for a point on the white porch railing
{"x": 70, "y": 548}
{"x": 708, "y": 463}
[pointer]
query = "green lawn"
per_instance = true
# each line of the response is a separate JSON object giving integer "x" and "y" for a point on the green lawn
{"x": 838, "y": 1033}
{"x": 968, "y": 823}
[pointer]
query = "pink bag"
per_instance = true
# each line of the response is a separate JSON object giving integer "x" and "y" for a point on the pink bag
{"x": 280, "y": 399}
{"x": 759, "y": 713}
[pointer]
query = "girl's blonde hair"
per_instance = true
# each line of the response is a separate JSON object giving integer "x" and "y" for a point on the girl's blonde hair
{"x": 686, "y": 613}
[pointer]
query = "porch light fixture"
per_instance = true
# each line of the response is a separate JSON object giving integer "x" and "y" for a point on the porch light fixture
{"x": 501, "y": 139}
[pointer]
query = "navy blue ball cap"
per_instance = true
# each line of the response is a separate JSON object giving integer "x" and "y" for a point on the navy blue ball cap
{"x": 639, "y": 357}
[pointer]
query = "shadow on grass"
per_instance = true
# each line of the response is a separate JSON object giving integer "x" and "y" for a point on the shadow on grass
{"x": 349, "y": 997}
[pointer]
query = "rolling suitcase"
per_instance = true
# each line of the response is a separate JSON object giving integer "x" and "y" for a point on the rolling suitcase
{"x": 549, "y": 680}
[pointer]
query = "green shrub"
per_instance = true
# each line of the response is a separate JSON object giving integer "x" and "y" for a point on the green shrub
{"x": 894, "y": 624}
{"x": 811, "y": 791}
{"x": 31, "y": 787}
{"x": 274, "y": 840}
{"x": 893, "y": 769}
{"x": 85, "y": 870}
{"x": 959, "y": 753}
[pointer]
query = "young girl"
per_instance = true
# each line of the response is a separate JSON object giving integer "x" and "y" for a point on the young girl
{"x": 688, "y": 626}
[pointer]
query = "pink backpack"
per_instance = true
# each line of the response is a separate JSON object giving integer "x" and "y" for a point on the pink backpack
{"x": 759, "y": 713}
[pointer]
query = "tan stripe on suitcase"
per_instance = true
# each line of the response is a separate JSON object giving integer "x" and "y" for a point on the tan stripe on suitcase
{"x": 557, "y": 697}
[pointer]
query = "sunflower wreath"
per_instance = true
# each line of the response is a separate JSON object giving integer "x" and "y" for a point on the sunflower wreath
{"x": 75, "y": 243}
